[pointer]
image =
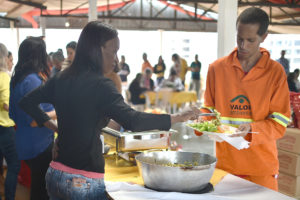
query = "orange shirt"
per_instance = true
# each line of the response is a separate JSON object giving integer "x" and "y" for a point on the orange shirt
{"x": 146, "y": 65}
{"x": 260, "y": 97}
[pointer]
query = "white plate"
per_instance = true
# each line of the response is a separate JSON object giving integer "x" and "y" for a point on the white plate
{"x": 211, "y": 133}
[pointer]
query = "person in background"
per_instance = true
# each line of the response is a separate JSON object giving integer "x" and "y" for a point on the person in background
{"x": 136, "y": 90}
{"x": 296, "y": 76}
{"x": 57, "y": 60}
{"x": 250, "y": 91}
{"x": 181, "y": 66}
{"x": 284, "y": 62}
{"x": 176, "y": 63}
{"x": 147, "y": 81}
{"x": 159, "y": 70}
{"x": 85, "y": 100}
{"x": 10, "y": 62}
{"x": 49, "y": 61}
{"x": 291, "y": 82}
{"x": 146, "y": 64}
{"x": 7, "y": 131}
{"x": 195, "y": 70}
{"x": 173, "y": 81}
{"x": 125, "y": 70}
{"x": 71, "y": 49}
{"x": 34, "y": 143}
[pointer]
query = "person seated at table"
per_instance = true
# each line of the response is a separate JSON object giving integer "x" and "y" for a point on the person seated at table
{"x": 147, "y": 81}
{"x": 136, "y": 90}
{"x": 173, "y": 81}
{"x": 57, "y": 60}
{"x": 85, "y": 100}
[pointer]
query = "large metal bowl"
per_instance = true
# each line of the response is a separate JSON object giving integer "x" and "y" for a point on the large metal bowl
{"x": 158, "y": 176}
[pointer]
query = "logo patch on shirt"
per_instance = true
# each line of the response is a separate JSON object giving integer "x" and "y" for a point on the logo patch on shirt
{"x": 240, "y": 105}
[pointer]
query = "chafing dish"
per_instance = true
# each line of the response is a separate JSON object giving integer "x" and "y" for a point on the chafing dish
{"x": 137, "y": 141}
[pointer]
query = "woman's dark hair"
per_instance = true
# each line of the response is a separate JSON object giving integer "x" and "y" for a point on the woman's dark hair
{"x": 255, "y": 16}
{"x": 72, "y": 45}
{"x": 175, "y": 56}
{"x": 88, "y": 56}
{"x": 138, "y": 77}
{"x": 32, "y": 58}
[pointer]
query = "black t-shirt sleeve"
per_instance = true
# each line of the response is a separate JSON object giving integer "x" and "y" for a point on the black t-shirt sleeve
{"x": 116, "y": 109}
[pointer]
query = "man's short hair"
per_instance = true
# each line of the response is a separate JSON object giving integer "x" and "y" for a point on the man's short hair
{"x": 255, "y": 16}
{"x": 58, "y": 56}
{"x": 148, "y": 71}
{"x": 72, "y": 45}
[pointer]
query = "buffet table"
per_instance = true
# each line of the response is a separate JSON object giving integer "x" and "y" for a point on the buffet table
{"x": 124, "y": 183}
{"x": 172, "y": 98}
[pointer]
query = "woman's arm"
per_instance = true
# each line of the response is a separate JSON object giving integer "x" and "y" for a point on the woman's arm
{"x": 51, "y": 114}
{"x": 31, "y": 101}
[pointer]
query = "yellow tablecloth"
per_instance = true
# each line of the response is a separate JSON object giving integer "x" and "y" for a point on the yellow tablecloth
{"x": 121, "y": 171}
{"x": 175, "y": 97}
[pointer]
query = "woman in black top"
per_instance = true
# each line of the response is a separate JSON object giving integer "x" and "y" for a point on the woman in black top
{"x": 85, "y": 101}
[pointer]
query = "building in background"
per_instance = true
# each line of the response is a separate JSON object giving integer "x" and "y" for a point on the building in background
{"x": 291, "y": 43}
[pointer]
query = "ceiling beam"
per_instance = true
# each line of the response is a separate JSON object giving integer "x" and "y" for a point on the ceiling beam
{"x": 279, "y": 17}
{"x": 244, "y": 3}
{"x": 293, "y": 18}
{"x": 161, "y": 19}
{"x": 281, "y": 5}
{"x": 9, "y": 18}
{"x": 136, "y": 18}
{"x": 29, "y": 3}
{"x": 284, "y": 24}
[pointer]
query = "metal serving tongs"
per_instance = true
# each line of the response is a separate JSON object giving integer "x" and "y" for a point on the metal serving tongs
{"x": 248, "y": 132}
{"x": 207, "y": 114}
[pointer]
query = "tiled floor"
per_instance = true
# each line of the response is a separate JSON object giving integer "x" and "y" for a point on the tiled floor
{"x": 22, "y": 192}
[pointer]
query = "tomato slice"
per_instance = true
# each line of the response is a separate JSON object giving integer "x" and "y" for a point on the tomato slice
{"x": 198, "y": 133}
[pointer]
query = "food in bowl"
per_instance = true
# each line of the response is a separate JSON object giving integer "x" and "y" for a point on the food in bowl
{"x": 157, "y": 175}
{"x": 184, "y": 164}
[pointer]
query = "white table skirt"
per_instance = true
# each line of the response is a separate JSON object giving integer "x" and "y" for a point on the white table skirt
{"x": 231, "y": 187}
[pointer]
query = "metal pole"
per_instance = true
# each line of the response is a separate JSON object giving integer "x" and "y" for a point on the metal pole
{"x": 92, "y": 10}
{"x": 226, "y": 26}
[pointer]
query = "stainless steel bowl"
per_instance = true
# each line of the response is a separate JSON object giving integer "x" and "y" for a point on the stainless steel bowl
{"x": 158, "y": 176}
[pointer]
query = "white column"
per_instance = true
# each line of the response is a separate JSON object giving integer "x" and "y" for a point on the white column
{"x": 93, "y": 10}
{"x": 161, "y": 41}
{"x": 43, "y": 25}
{"x": 226, "y": 26}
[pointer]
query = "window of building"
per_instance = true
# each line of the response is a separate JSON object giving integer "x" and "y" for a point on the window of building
{"x": 296, "y": 60}
{"x": 297, "y": 42}
{"x": 186, "y": 48}
{"x": 279, "y": 43}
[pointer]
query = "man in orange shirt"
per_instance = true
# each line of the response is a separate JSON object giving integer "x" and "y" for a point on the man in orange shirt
{"x": 250, "y": 91}
{"x": 146, "y": 64}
